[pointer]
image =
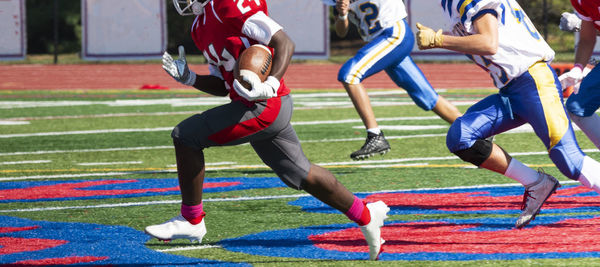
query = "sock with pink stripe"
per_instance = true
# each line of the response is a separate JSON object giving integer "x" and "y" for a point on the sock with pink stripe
{"x": 359, "y": 212}
{"x": 194, "y": 214}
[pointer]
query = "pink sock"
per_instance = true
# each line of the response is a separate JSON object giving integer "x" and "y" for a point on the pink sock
{"x": 194, "y": 214}
{"x": 359, "y": 212}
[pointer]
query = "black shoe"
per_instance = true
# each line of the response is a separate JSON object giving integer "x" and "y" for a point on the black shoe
{"x": 375, "y": 144}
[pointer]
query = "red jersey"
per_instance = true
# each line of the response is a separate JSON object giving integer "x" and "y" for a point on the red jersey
{"x": 588, "y": 10}
{"x": 218, "y": 34}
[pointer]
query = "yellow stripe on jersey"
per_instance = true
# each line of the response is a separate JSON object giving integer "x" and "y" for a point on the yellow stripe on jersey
{"x": 461, "y": 9}
{"x": 395, "y": 38}
{"x": 555, "y": 115}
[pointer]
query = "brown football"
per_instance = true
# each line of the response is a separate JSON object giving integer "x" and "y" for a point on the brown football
{"x": 255, "y": 60}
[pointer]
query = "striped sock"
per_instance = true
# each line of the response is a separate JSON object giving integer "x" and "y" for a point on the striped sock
{"x": 359, "y": 212}
{"x": 193, "y": 214}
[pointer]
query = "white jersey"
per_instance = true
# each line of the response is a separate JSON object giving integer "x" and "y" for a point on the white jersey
{"x": 371, "y": 17}
{"x": 520, "y": 45}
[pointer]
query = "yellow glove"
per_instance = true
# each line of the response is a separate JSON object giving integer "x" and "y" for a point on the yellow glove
{"x": 427, "y": 38}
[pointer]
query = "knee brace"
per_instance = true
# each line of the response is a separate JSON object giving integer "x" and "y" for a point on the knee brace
{"x": 477, "y": 153}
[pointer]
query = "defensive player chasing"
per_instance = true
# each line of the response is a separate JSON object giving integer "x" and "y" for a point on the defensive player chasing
{"x": 261, "y": 117}
{"x": 498, "y": 36}
{"x": 585, "y": 100}
{"x": 382, "y": 24}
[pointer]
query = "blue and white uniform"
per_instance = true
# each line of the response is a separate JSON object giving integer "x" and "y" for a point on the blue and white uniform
{"x": 390, "y": 40}
{"x": 529, "y": 88}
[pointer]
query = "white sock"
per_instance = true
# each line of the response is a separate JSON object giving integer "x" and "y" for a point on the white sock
{"x": 376, "y": 130}
{"x": 590, "y": 174}
{"x": 521, "y": 173}
{"x": 590, "y": 126}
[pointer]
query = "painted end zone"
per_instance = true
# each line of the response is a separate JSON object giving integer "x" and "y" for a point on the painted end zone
{"x": 26, "y": 242}
{"x": 488, "y": 200}
{"x": 31, "y": 191}
{"x": 548, "y": 237}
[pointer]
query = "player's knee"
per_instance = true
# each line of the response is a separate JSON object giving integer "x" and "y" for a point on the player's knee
{"x": 345, "y": 75}
{"x": 464, "y": 145}
{"x": 426, "y": 102}
{"x": 180, "y": 137}
{"x": 476, "y": 154}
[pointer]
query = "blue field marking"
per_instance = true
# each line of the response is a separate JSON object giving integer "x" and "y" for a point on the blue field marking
{"x": 33, "y": 191}
{"x": 114, "y": 245}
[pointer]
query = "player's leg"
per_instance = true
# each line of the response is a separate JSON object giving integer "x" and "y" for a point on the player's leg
{"x": 582, "y": 106}
{"x": 407, "y": 75}
{"x": 553, "y": 128}
{"x": 283, "y": 153}
{"x": 214, "y": 127}
{"x": 467, "y": 139}
{"x": 386, "y": 49}
{"x": 362, "y": 104}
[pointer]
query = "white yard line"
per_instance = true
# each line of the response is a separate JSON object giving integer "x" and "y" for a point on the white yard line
{"x": 173, "y": 202}
{"x": 12, "y": 122}
{"x": 187, "y": 248}
{"x": 133, "y": 130}
{"x": 24, "y": 162}
{"x": 108, "y": 163}
{"x": 85, "y": 150}
{"x": 216, "y": 166}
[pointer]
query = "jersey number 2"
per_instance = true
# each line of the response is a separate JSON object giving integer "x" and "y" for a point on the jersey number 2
{"x": 372, "y": 12}
{"x": 243, "y": 7}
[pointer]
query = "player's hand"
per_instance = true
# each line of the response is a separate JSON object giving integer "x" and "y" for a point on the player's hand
{"x": 342, "y": 7}
{"x": 260, "y": 90}
{"x": 570, "y": 22}
{"x": 427, "y": 38}
{"x": 178, "y": 69}
{"x": 571, "y": 78}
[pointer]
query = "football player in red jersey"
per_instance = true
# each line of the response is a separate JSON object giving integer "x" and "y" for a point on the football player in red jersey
{"x": 260, "y": 116}
{"x": 585, "y": 100}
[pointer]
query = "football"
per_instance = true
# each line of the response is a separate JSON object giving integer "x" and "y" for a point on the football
{"x": 254, "y": 61}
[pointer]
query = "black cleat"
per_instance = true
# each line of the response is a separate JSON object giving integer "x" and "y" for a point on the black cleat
{"x": 375, "y": 144}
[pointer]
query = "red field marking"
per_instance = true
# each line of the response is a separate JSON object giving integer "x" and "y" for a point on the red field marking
{"x": 134, "y": 76}
{"x": 478, "y": 201}
{"x": 569, "y": 236}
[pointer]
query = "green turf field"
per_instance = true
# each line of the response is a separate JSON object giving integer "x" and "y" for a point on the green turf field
{"x": 120, "y": 134}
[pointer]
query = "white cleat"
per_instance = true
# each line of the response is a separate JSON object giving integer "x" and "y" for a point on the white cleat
{"x": 535, "y": 196}
{"x": 372, "y": 231}
{"x": 177, "y": 228}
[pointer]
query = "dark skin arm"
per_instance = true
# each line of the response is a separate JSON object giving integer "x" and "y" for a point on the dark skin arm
{"x": 284, "y": 49}
{"x": 282, "y": 56}
{"x": 211, "y": 85}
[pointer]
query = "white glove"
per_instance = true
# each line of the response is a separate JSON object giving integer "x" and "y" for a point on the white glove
{"x": 260, "y": 90}
{"x": 571, "y": 78}
{"x": 178, "y": 69}
{"x": 570, "y": 22}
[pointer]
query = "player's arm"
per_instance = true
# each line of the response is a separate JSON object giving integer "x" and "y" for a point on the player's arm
{"x": 341, "y": 20}
{"x": 585, "y": 48}
{"x": 283, "y": 48}
{"x": 483, "y": 42}
{"x": 211, "y": 85}
{"x": 264, "y": 29}
{"x": 179, "y": 70}
{"x": 586, "y": 44}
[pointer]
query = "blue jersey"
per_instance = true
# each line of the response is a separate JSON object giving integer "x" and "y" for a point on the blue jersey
{"x": 520, "y": 45}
